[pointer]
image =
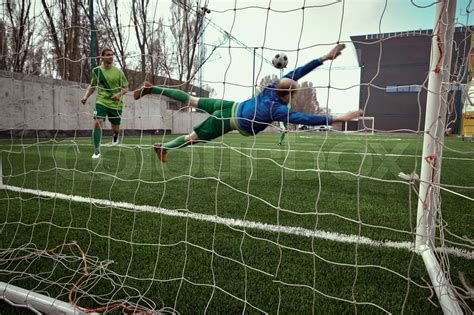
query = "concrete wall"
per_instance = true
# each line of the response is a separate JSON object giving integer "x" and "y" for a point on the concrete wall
{"x": 33, "y": 103}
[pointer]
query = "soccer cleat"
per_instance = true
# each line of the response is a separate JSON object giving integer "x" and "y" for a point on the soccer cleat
{"x": 160, "y": 152}
{"x": 144, "y": 90}
{"x": 115, "y": 142}
{"x": 96, "y": 155}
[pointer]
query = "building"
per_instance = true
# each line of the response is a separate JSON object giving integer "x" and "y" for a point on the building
{"x": 394, "y": 70}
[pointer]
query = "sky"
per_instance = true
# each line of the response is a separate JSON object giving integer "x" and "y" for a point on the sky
{"x": 304, "y": 30}
{"x": 304, "y": 35}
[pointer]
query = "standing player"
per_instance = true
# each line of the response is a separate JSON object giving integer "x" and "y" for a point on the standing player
{"x": 112, "y": 85}
{"x": 248, "y": 117}
{"x": 283, "y": 131}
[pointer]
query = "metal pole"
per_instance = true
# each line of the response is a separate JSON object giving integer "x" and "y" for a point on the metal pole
{"x": 92, "y": 34}
{"x": 253, "y": 73}
{"x": 202, "y": 14}
{"x": 436, "y": 107}
{"x": 35, "y": 301}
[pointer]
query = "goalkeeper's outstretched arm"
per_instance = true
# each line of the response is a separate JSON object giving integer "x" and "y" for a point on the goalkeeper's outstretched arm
{"x": 300, "y": 72}
{"x": 281, "y": 113}
{"x": 347, "y": 116}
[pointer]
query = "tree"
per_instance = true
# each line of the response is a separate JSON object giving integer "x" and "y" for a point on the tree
{"x": 266, "y": 80}
{"x": 113, "y": 30}
{"x": 65, "y": 27}
{"x": 3, "y": 46}
{"x": 304, "y": 101}
{"x": 139, "y": 16}
{"x": 186, "y": 23}
{"x": 161, "y": 52}
{"x": 210, "y": 89}
{"x": 20, "y": 34}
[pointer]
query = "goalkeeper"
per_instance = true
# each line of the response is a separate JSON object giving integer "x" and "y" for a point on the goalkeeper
{"x": 248, "y": 117}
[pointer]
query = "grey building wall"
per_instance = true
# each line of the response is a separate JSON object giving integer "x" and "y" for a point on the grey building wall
{"x": 400, "y": 59}
{"x": 31, "y": 103}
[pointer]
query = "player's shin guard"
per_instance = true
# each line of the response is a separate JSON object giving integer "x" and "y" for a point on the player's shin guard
{"x": 171, "y": 93}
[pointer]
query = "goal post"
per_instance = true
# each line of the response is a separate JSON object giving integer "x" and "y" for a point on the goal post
{"x": 239, "y": 224}
{"x": 364, "y": 119}
{"x": 429, "y": 202}
{"x": 20, "y": 297}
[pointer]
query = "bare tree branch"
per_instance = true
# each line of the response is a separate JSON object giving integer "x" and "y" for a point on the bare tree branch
{"x": 66, "y": 33}
{"x": 21, "y": 33}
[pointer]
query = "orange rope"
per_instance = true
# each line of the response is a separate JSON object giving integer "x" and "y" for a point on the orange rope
{"x": 75, "y": 286}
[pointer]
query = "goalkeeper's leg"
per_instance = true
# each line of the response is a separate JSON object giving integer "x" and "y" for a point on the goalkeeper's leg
{"x": 161, "y": 149}
{"x": 208, "y": 105}
{"x": 211, "y": 128}
{"x": 175, "y": 94}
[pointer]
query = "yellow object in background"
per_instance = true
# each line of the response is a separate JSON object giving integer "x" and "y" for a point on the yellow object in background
{"x": 467, "y": 124}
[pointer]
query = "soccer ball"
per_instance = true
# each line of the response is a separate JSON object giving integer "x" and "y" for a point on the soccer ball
{"x": 280, "y": 60}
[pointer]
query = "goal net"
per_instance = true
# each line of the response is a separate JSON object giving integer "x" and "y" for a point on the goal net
{"x": 327, "y": 222}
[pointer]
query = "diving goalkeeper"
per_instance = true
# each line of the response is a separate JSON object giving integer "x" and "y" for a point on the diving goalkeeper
{"x": 248, "y": 117}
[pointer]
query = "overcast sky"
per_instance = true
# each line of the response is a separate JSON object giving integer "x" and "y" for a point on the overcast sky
{"x": 303, "y": 34}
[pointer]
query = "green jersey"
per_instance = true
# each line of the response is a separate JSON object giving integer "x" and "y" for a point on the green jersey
{"x": 108, "y": 82}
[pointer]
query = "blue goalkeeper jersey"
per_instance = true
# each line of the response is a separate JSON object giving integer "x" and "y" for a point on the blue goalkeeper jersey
{"x": 256, "y": 114}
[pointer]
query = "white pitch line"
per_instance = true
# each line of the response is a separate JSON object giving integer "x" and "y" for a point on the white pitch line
{"x": 353, "y": 139}
{"x": 328, "y": 152}
{"x": 290, "y": 230}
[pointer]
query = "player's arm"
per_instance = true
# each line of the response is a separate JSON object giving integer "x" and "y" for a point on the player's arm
{"x": 90, "y": 90}
{"x": 348, "y": 116}
{"x": 282, "y": 113}
{"x": 118, "y": 95}
{"x": 333, "y": 53}
{"x": 124, "y": 88}
{"x": 300, "y": 72}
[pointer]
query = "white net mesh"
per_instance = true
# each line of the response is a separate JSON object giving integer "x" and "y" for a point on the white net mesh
{"x": 323, "y": 223}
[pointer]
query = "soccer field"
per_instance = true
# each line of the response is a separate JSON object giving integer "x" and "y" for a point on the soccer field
{"x": 323, "y": 223}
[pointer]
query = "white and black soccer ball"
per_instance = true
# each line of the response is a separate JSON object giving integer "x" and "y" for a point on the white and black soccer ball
{"x": 280, "y": 60}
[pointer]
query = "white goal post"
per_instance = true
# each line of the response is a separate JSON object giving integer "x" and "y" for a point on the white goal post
{"x": 36, "y": 302}
{"x": 370, "y": 129}
{"x": 429, "y": 201}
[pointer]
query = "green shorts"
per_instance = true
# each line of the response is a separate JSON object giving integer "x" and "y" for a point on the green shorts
{"x": 114, "y": 115}
{"x": 220, "y": 121}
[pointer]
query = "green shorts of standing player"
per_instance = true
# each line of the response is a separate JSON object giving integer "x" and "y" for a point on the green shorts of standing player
{"x": 111, "y": 84}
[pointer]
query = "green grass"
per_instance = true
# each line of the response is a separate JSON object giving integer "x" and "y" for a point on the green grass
{"x": 190, "y": 265}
